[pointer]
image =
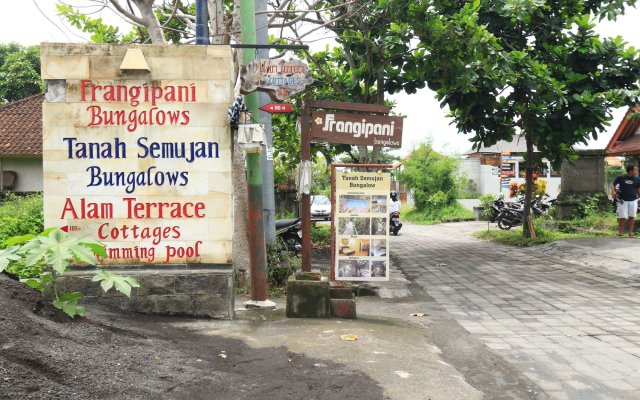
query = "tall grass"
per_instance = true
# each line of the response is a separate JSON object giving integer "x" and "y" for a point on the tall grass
{"x": 450, "y": 213}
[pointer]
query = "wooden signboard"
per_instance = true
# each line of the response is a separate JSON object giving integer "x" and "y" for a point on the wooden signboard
{"x": 279, "y": 78}
{"x": 356, "y": 128}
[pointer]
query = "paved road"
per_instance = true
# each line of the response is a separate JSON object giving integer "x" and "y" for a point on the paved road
{"x": 572, "y": 328}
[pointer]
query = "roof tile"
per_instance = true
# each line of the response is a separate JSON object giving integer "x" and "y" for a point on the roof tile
{"x": 21, "y": 127}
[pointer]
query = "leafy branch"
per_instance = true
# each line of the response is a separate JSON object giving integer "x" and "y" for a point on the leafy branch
{"x": 58, "y": 250}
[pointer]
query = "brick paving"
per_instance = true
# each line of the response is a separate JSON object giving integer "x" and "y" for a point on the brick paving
{"x": 573, "y": 329}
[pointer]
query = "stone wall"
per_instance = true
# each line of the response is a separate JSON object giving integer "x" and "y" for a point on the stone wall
{"x": 581, "y": 179}
{"x": 193, "y": 292}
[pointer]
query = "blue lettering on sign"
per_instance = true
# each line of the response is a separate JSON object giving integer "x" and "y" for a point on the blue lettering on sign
{"x": 189, "y": 151}
{"x": 91, "y": 150}
{"x": 130, "y": 180}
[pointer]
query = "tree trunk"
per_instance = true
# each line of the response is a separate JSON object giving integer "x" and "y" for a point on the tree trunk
{"x": 240, "y": 247}
{"x": 528, "y": 229}
{"x": 362, "y": 154}
{"x": 241, "y": 262}
{"x": 216, "y": 17}
{"x": 151, "y": 21}
{"x": 375, "y": 153}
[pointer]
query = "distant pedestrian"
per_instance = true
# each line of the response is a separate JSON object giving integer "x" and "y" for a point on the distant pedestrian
{"x": 626, "y": 190}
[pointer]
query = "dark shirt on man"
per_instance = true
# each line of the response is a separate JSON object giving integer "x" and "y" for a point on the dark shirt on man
{"x": 627, "y": 187}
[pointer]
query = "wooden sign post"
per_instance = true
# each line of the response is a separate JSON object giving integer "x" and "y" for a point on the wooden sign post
{"x": 367, "y": 124}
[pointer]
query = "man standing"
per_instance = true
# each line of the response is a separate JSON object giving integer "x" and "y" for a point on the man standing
{"x": 626, "y": 190}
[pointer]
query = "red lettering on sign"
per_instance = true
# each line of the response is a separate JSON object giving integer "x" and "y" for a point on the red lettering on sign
{"x": 148, "y": 210}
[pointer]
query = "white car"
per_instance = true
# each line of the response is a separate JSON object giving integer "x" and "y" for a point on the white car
{"x": 320, "y": 207}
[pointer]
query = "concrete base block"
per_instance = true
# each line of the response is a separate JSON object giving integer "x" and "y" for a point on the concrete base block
{"x": 343, "y": 308}
{"x": 192, "y": 292}
{"x": 308, "y": 299}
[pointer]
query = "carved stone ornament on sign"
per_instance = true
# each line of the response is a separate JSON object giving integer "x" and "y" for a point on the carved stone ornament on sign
{"x": 279, "y": 78}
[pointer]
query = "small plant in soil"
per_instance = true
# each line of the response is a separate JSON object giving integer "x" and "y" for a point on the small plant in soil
{"x": 56, "y": 250}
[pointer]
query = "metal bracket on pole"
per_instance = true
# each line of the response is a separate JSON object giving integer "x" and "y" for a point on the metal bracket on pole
{"x": 270, "y": 46}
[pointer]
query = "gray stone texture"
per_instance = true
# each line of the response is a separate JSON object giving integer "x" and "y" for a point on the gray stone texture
{"x": 198, "y": 293}
{"x": 583, "y": 178}
{"x": 308, "y": 299}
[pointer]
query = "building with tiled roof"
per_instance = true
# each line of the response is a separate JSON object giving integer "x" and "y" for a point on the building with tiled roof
{"x": 21, "y": 144}
{"x": 626, "y": 139}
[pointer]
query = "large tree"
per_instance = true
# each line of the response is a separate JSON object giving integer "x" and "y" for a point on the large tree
{"x": 534, "y": 68}
{"x": 19, "y": 72}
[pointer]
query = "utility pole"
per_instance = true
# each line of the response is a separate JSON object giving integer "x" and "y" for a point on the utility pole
{"x": 202, "y": 26}
{"x": 268, "y": 200}
{"x": 257, "y": 246}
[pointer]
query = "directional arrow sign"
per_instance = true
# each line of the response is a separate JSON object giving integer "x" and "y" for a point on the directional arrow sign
{"x": 277, "y": 108}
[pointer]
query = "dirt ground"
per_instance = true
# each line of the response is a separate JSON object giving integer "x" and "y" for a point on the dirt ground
{"x": 116, "y": 355}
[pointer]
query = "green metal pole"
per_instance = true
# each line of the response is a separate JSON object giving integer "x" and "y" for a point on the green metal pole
{"x": 257, "y": 246}
{"x": 248, "y": 27}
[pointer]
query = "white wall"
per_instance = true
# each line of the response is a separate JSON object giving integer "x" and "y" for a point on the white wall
{"x": 29, "y": 172}
{"x": 487, "y": 177}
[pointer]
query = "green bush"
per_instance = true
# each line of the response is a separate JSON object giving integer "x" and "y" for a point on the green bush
{"x": 21, "y": 216}
{"x": 321, "y": 235}
{"x": 433, "y": 178}
{"x": 486, "y": 202}
{"x": 280, "y": 265}
{"x": 588, "y": 207}
{"x": 597, "y": 224}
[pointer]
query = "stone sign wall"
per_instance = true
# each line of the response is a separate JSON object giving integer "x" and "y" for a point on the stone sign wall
{"x": 140, "y": 160}
{"x": 137, "y": 154}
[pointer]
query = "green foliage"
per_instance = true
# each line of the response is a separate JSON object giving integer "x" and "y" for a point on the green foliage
{"x": 19, "y": 72}
{"x": 321, "y": 177}
{"x": 100, "y": 32}
{"x": 372, "y": 58}
{"x": 613, "y": 173}
{"x": 280, "y": 265}
{"x": 432, "y": 176}
{"x": 534, "y": 68}
{"x": 595, "y": 224}
{"x": 548, "y": 230}
{"x": 20, "y": 215}
{"x": 123, "y": 284}
{"x": 588, "y": 207}
{"x": 429, "y": 216}
{"x": 486, "y": 202}
{"x": 321, "y": 235}
{"x": 68, "y": 303}
{"x": 58, "y": 250}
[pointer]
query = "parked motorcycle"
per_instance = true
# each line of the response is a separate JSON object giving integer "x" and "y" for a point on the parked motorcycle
{"x": 289, "y": 234}
{"x": 510, "y": 217}
{"x": 394, "y": 223}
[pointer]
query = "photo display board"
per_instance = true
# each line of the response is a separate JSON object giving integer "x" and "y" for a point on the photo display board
{"x": 140, "y": 160}
{"x": 361, "y": 222}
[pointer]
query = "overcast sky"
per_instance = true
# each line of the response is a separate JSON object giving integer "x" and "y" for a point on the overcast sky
{"x": 34, "y": 21}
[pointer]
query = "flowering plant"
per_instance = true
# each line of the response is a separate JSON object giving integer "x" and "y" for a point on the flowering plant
{"x": 518, "y": 189}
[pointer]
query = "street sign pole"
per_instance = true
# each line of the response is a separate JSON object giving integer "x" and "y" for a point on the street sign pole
{"x": 257, "y": 247}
